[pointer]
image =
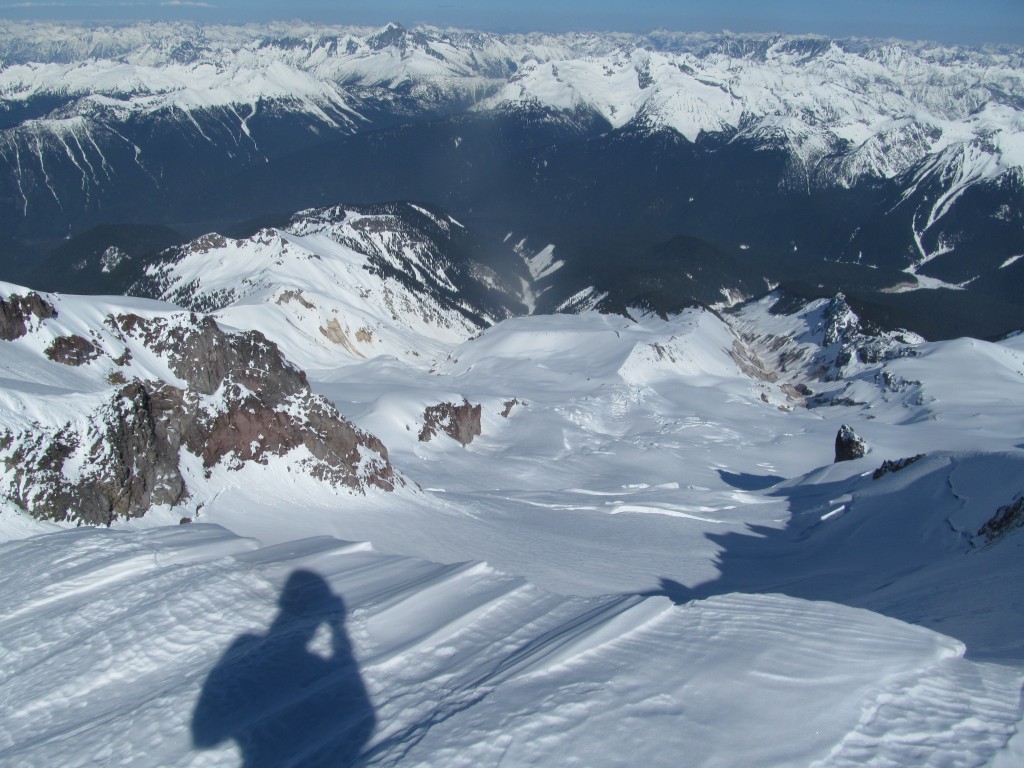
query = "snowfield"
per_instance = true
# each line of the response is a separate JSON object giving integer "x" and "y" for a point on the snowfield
{"x": 646, "y": 557}
{"x": 462, "y": 665}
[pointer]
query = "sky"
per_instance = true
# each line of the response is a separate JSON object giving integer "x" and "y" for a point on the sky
{"x": 979, "y": 21}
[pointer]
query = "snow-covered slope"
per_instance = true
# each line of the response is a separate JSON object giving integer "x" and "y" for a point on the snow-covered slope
{"x": 595, "y": 539}
{"x": 338, "y": 283}
{"x": 173, "y": 646}
{"x": 842, "y": 111}
{"x": 646, "y": 554}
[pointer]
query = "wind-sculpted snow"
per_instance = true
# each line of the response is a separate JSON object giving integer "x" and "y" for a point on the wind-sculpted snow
{"x": 153, "y": 635}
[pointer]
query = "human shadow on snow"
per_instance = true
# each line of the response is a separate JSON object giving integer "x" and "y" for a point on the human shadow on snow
{"x": 282, "y": 703}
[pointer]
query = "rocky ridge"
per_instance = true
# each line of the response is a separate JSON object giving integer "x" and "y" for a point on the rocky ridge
{"x": 1007, "y": 519}
{"x": 391, "y": 278}
{"x": 427, "y": 252}
{"x": 459, "y": 422}
{"x": 221, "y": 401}
{"x": 19, "y": 313}
{"x": 810, "y": 349}
{"x": 848, "y": 341}
{"x": 849, "y": 445}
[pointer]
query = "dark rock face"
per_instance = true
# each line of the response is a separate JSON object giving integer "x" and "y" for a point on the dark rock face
{"x": 130, "y": 459}
{"x": 459, "y": 422}
{"x": 256, "y": 388}
{"x": 850, "y": 340}
{"x": 1006, "y": 520}
{"x": 133, "y": 456}
{"x": 16, "y": 313}
{"x": 72, "y": 350}
{"x": 889, "y": 466}
{"x": 849, "y": 445}
{"x": 242, "y": 402}
{"x": 840, "y": 321}
{"x": 204, "y": 356}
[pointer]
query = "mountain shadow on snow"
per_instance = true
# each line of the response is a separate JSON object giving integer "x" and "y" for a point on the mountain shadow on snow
{"x": 282, "y": 703}
{"x": 745, "y": 481}
{"x": 869, "y": 541}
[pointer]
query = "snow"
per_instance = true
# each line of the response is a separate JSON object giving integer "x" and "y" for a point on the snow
{"x": 457, "y": 664}
{"x": 544, "y": 263}
{"x": 870, "y": 108}
{"x": 843, "y": 112}
{"x": 309, "y": 289}
{"x": 651, "y": 557}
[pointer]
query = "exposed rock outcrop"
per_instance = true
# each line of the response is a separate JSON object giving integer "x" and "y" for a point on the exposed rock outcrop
{"x": 1006, "y": 520}
{"x": 847, "y": 339}
{"x": 890, "y": 466}
{"x": 459, "y": 422}
{"x": 840, "y": 322}
{"x": 72, "y": 350}
{"x": 16, "y": 313}
{"x": 237, "y": 401}
{"x": 849, "y": 445}
{"x": 126, "y": 456}
{"x": 204, "y": 356}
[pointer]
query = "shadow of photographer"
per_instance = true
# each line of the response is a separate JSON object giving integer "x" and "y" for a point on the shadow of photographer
{"x": 282, "y": 703}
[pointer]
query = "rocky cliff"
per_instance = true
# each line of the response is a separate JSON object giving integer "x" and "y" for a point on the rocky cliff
{"x": 171, "y": 386}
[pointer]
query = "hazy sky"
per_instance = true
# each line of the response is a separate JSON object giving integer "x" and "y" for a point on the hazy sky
{"x": 977, "y": 21}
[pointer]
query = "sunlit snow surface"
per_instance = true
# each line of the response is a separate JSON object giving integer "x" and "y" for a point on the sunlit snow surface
{"x": 110, "y": 645}
{"x": 645, "y": 563}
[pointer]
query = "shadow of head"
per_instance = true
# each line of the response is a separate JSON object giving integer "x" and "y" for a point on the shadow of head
{"x": 307, "y": 595}
{"x": 675, "y": 591}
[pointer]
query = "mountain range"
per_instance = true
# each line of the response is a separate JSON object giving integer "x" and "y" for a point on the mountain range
{"x": 810, "y": 154}
{"x": 428, "y": 397}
